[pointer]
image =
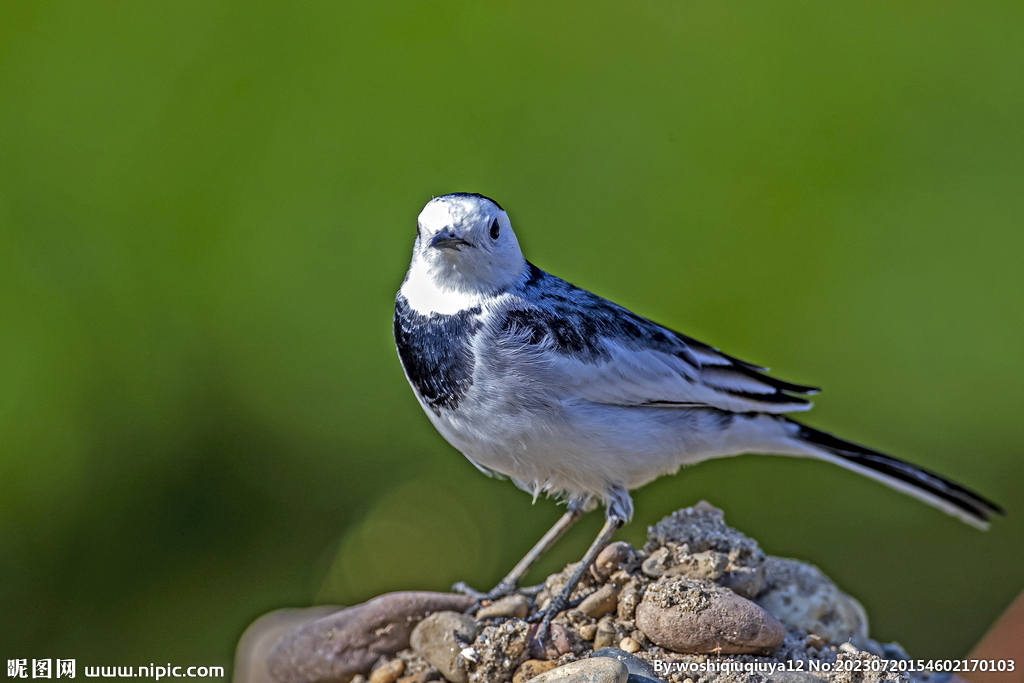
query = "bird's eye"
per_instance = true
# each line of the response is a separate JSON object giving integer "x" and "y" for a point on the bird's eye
{"x": 495, "y": 229}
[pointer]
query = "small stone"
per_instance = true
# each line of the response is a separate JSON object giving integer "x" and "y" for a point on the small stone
{"x": 588, "y": 631}
{"x": 815, "y": 641}
{"x": 635, "y": 665}
{"x": 389, "y": 672}
{"x": 606, "y": 635}
{"x": 601, "y": 602}
{"x": 614, "y": 556}
{"x": 704, "y": 565}
{"x": 629, "y": 598}
{"x": 656, "y": 564}
{"x": 516, "y": 606}
{"x": 593, "y": 670}
{"x": 532, "y": 668}
{"x": 629, "y": 645}
{"x": 560, "y": 641}
{"x": 688, "y": 616}
{"x": 440, "y": 638}
{"x": 358, "y": 678}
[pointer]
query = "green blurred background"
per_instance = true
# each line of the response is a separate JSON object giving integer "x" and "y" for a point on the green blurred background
{"x": 206, "y": 208}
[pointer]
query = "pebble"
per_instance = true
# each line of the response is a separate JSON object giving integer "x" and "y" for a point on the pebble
{"x": 606, "y": 635}
{"x": 688, "y": 616}
{"x": 389, "y": 672}
{"x": 609, "y": 560}
{"x": 516, "y": 606}
{"x": 349, "y": 642}
{"x": 440, "y": 637}
{"x": 532, "y": 668}
{"x": 629, "y": 645}
{"x": 560, "y": 641}
{"x": 635, "y": 665}
{"x": 588, "y": 631}
{"x": 593, "y": 670}
{"x": 601, "y": 602}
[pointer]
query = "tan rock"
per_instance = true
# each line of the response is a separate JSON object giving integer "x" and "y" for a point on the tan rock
{"x": 688, "y": 616}
{"x": 593, "y": 670}
{"x": 516, "y": 606}
{"x": 601, "y": 602}
{"x": 440, "y": 638}
{"x": 532, "y": 668}
{"x": 389, "y": 672}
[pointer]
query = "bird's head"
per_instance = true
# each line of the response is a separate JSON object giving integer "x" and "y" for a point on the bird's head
{"x": 465, "y": 244}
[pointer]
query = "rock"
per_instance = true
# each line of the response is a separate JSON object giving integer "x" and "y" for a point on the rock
{"x": 560, "y": 641}
{"x": 440, "y": 638}
{"x": 337, "y": 647}
{"x": 629, "y": 645}
{"x": 516, "y": 606}
{"x": 614, "y": 556}
{"x": 800, "y": 596}
{"x": 532, "y": 668}
{"x": 388, "y": 672}
{"x": 499, "y": 650}
{"x": 629, "y": 598}
{"x": 634, "y": 665}
{"x": 708, "y": 564}
{"x": 259, "y": 639}
{"x": 688, "y": 616}
{"x": 606, "y": 634}
{"x": 588, "y": 631}
{"x": 601, "y": 602}
{"x": 593, "y": 670}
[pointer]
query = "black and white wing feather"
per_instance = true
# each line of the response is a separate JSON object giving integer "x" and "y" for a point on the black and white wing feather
{"x": 617, "y": 357}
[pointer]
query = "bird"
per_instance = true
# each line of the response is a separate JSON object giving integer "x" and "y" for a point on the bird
{"x": 568, "y": 394}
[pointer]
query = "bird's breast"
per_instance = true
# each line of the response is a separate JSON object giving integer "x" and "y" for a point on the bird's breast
{"x": 436, "y": 352}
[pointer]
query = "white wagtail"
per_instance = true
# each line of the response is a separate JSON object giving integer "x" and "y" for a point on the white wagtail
{"x": 567, "y": 393}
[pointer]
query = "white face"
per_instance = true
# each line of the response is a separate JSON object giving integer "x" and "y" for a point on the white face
{"x": 465, "y": 247}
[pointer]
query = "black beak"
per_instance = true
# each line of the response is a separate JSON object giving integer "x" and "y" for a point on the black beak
{"x": 448, "y": 240}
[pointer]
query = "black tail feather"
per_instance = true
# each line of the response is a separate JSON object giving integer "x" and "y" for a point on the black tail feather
{"x": 922, "y": 480}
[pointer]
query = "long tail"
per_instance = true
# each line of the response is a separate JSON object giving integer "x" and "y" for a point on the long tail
{"x": 930, "y": 487}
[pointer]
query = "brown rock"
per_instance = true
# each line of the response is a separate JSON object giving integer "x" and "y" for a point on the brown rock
{"x": 259, "y": 639}
{"x": 688, "y": 616}
{"x": 388, "y": 672}
{"x": 560, "y": 641}
{"x": 532, "y": 668}
{"x": 440, "y": 638}
{"x": 601, "y": 602}
{"x": 512, "y": 606}
{"x": 614, "y": 556}
{"x": 337, "y": 647}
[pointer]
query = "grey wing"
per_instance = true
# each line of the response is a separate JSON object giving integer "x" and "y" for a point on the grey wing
{"x": 608, "y": 354}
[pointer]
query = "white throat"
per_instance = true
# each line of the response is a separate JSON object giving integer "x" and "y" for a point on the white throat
{"x": 426, "y": 296}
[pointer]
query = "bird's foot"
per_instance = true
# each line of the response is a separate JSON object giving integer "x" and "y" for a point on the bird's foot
{"x": 543, "y": 619}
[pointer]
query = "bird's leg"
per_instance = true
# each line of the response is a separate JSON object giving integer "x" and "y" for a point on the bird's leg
{"x": 619, "y": 511}
{"x": 577, "y": 508}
